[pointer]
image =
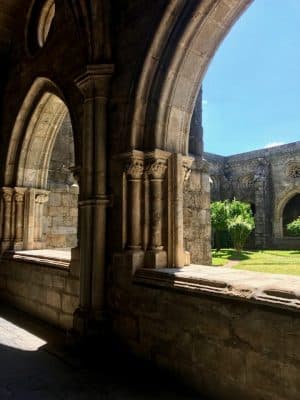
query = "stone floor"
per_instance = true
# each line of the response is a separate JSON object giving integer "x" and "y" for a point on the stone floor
{"x": 35, "y": 365}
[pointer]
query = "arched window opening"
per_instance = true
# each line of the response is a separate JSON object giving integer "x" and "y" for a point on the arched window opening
{"x": 291, "y": 212}
{"x": 42, "y": 199}
{"x": 61, "y": 210}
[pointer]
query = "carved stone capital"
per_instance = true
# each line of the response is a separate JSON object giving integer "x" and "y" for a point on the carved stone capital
{"x": 156, "y": 169}
{"x": 7, "y": 193}
{"x": 19, "y": 193}
{"x": 135, "y": 168}
{"x": 95, "y": 80}
{"x": 187, "y": 167}
{"x": 42, "y": 197}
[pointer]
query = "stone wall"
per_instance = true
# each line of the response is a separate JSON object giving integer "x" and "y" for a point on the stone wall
{"x": 51, "y": 294}
{"x": 60, "y": 218}
{"x": 226, "y": 349}
{"x": 267, "y": 179}
{"x": 61, "y": 210}
{"x": 196, "y": 215}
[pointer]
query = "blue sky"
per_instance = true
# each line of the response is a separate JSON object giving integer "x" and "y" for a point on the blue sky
{"x": 251, "y": 91}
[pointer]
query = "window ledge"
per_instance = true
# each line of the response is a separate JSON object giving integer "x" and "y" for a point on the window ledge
{"x": 280, "y": 291}
{"x": 62, "y": 263}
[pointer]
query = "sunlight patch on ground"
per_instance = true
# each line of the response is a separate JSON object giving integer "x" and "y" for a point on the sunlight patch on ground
{"x": 13, "y": 336}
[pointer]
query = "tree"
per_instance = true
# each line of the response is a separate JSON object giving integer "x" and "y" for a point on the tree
{"x": 219, "y": 218}
{"x": 293, "y": 228}
{"x": 234, "y": 217}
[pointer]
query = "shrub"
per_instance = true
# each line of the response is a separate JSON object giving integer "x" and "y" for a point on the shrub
{"x": 233, "y": 217}
{"x": 240, "y": 228}
{"x": 219, "y": 218}
{"x": 293, "y": 228}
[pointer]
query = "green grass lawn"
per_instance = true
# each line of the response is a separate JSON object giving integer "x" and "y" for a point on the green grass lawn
{"x": 272, "y": 261}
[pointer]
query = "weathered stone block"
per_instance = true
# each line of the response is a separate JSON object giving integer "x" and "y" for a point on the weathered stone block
{"x": 53, "y": 298}
{"x": 69, "y": 303}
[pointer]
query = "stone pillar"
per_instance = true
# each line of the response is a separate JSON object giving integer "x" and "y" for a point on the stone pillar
{"x": 40, "y": 200}
{"x": 156, "y": 255}
{"x": 196, "y": 212}
{"x": 33, "y": 218}
{"x": 179, "y": 170}
{"x": 94, "y": 85}
{"x": 134, "y": 173}
{"x": 7, "y": 196}
{"x": 262, "y": 203}
{"x": 19, "y": 197}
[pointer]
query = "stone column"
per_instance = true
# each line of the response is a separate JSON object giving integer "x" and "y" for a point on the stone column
{"x": 40, "y": 200}
{"x": 19, "y": 196}
{"x": 94, "y": 85}
{"x": 156, "y": 255}
{"x": 33, "y": 218}
{"x": 134, "y": 173}
{"x": 7, "y": 195}
{"x": 262, "y": 203}
{"x": 179, "y": 170}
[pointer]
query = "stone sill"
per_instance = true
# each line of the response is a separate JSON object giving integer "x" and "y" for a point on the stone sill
{"x": 51, "y": 262}
{"x": 275, "y": 290}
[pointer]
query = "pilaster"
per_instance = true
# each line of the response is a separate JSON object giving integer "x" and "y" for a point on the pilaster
{"x": 94, "y": 85}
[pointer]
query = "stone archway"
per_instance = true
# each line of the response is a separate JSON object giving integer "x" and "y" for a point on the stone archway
{"x": 166, "y": 95}
{"x": 26, "y": 193}
{"x": 278, "y": 212}
{"x": 185, "y": 42}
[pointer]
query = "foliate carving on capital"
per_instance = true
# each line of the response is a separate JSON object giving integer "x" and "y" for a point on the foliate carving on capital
{"x": 186, "y": 172}
{"x": 157, "y": 168}
{"x": 135, "y": 168}
{"x": 19, "y": 195}
{"x": 7, "y": 193}
{"x": 41, "y": 198}
{"x": 187, "y": 167}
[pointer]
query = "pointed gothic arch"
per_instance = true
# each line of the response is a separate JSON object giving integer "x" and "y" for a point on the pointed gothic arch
{"x": 186, "y": 40}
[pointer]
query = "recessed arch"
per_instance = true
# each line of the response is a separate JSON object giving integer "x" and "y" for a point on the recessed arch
{"x": 40, "y": 136}
{"x": 39, "y": 94}
{"x": 186, "y": 41}
{"x": 279, "y": 207}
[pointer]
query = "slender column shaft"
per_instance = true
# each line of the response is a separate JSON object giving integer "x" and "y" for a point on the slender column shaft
{"x": 134, "y": 224}
{"x": 19, "y": 222}
{"x": 156, "y": 214}
{"x": 156, "y": 174}
{"x": 7, "y": 228}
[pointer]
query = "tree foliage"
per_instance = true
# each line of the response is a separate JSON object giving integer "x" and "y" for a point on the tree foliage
{"x": 293, "y": 228}
{"x": 234, "y": 217}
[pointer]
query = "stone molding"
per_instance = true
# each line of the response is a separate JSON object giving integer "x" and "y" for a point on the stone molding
{"x": 95, "y": 81}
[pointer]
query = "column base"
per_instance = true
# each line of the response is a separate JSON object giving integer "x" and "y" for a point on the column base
{"x": 18, "y": 246}
{"x": 156, "y": 259}
{"x": 187, "y": 258}
{"x": 87, "y": 323}
{"x": 75, "y": 262}
{"x": 5, "y": 246}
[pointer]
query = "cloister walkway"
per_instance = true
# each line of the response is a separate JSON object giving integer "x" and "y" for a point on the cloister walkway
{"x": 34, "y": 365}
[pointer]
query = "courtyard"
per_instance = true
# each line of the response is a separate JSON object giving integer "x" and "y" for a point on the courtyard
{"x": 271, "y": 261}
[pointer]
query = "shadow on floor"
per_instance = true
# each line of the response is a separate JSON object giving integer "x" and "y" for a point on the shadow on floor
{"x": 52, "y": 371}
